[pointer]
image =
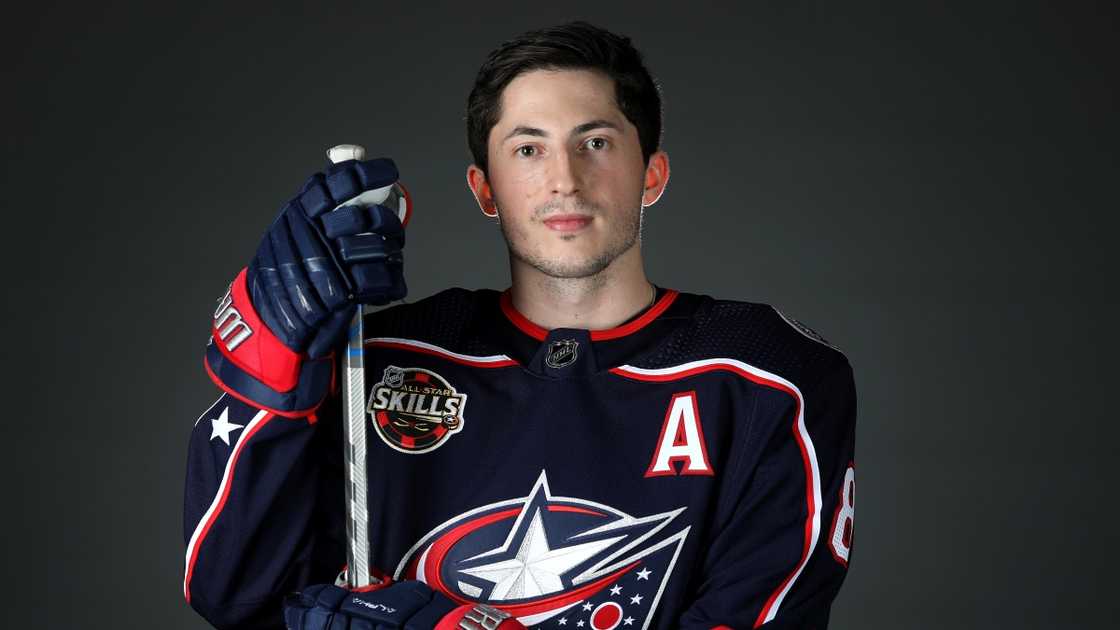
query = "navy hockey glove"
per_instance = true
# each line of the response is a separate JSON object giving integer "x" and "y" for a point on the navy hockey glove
{"x": 332, "y": 246}
{"x": 318, "y": 260}
{"x": 408, "y": 605}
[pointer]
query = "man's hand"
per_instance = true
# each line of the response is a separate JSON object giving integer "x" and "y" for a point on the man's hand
{"x": 325, "y": 254}
{"x": 335, "y": 245}
{"x": 408, "y": 605}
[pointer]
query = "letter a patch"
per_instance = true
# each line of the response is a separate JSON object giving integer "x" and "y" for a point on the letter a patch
{"x": 681, "y": 440}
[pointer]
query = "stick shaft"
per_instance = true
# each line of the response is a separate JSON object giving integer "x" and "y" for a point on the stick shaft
{"x": 354, "y": 434}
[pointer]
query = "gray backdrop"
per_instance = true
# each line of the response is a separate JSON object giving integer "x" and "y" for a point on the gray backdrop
{"x": 932, "y": 189}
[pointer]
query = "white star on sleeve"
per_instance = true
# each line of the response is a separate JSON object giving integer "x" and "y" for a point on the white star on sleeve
{"x": 629, "y": 621}
{"x": 587, "y": 606}
{"x": 637, "y": 599}
{"x": 222, "y": 427}
{"x": 616, "y": 589}
{"x": 644, "y": 574}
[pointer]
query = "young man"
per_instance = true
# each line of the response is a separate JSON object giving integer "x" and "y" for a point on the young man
{"x": 582, "y": 450}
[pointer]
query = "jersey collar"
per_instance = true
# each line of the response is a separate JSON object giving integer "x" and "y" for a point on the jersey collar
{"x": 540, "y": 334}
{"x": 564, "y": 353}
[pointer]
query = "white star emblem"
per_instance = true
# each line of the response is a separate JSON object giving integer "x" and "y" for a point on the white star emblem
{"x": 223, "y": 427}
{"x": 587, "y": 606}
{"x": 643, "y": 574}
{"x": 536, "y": 568}
{"x": 616, "y": 589}
{"x": 629, "y": 621}
{"x": 580, "y": 623}
{"x": 563, "y": 621}
{"x": 637, "y": 599}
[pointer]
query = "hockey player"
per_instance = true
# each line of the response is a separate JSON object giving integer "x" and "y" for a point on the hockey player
{"x": 584, "y": 449}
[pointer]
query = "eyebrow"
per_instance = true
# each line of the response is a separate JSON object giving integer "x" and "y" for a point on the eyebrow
{"x": 522, "y": 130}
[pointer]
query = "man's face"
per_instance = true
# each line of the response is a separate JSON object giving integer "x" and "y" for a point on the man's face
{"x": 566, "y": 173}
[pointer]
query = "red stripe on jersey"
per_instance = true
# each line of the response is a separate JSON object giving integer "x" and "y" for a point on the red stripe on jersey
{"x": 765, "y": 612}
{"x": 442, "y": 354}
{"x": 216, "y": 509}
{"x": 570, "y": 508}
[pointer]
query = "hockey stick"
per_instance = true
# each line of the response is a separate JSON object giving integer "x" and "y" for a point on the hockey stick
{"x": 354, "y": 435}
{"x": 353, "y": 372}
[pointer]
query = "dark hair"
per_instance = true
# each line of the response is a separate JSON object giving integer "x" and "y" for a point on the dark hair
{"x": 575, "y": 45}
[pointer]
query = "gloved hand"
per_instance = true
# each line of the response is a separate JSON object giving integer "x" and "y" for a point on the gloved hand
{"x": 336, "y": 244}
{"x": 408, "y": 605}
{"x": 320, "y": 258}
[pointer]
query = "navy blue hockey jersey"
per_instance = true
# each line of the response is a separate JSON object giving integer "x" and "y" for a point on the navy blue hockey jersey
{"x": 692, "y": 468}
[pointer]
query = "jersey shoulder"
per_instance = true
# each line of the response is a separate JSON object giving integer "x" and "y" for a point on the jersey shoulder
{"x": 757, "y": 334}
{"x": 448, "y": 319}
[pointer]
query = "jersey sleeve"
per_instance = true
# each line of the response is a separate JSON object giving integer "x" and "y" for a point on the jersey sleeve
{"x": 257, "y": 522}
{"x": 781, "y": 557}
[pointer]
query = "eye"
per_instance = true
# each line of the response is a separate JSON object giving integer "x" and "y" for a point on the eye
{"x": 527, "y": 150}
{"x": 596, "y": 143}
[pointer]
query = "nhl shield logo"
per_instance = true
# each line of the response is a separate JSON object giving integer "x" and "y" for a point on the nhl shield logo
{"x": 415, "y": 410}
{"x": 562, "y": 353}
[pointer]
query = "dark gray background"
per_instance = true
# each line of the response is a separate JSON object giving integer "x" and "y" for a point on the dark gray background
{"x": 932, "y": 189}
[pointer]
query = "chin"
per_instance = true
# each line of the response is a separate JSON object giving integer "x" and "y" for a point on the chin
{"x": 572, "y": 266}
{"x": 579, "y": 257}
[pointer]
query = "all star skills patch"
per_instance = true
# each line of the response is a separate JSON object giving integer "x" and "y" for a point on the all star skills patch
{"x": 415, "y": 410}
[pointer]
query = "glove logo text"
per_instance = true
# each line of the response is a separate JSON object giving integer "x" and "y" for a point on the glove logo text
{"x": 372, "y": 606}
{"x": 231, "y": 328}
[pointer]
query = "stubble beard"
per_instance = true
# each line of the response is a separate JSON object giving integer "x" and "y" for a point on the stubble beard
{"x": 626, "y": 235}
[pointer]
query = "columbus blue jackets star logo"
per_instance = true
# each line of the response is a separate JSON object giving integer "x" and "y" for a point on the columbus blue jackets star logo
{"x": 541, "y": 557}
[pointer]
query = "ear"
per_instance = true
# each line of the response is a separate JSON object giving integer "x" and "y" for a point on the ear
{"x": 476, "y": 179}
{"x": 657, "y": 177}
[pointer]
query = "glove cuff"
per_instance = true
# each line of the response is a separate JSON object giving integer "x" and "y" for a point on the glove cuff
{"x": 246, "y": 360}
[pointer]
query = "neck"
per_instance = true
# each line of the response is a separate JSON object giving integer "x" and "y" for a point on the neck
{"x": 596, "y": 302}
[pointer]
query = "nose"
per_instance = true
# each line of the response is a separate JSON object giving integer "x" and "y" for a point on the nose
{"x": 564, "y": 176}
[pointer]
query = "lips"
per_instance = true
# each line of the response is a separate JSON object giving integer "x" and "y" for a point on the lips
{"x": 567, "y": 222}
